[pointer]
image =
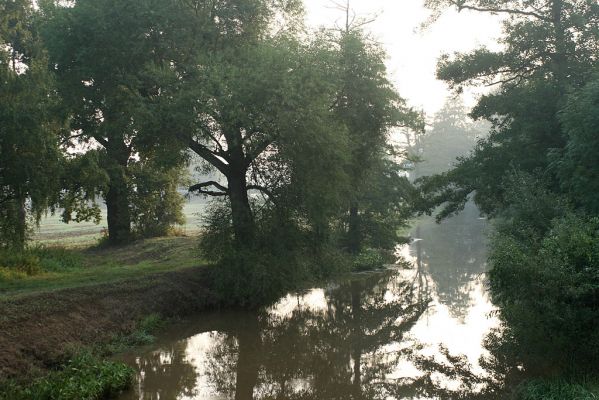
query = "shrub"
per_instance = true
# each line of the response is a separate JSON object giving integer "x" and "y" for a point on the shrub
{"x": 547, "y": 288}
{"x": 283, "y": 256}
{"x": 83, "y": 378}
{"x": 34, "y": 261}
{"x": 369, "y": 259}
{"x": 55, "y": 259}
{"x": 23, "y": 262}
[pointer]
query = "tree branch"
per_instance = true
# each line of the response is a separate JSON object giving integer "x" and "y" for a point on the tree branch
{"x": 101, "y": 140}
{"x": 200, "y": 189}
{"x": 263, "y": 190}
{"x": 257, "y": 149}
{"x": 502, "y": 11}
{"x": 208, "y": 155}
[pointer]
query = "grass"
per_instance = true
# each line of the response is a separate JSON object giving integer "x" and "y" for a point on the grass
{"x": 559, "y": 389}
{"x": 76, "y": 267}
{"x": 142, "y": 335}
{"x": 53, "y": 232}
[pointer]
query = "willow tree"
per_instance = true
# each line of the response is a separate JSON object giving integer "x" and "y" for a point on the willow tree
{"x": 29, "y": 127}
{"x": 255, "y": 107}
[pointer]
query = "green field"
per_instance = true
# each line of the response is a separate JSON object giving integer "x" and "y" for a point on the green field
{"x": 53, "y": 231}
{"x": 72, "y": 257}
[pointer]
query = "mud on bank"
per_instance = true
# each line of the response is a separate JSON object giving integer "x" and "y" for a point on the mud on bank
{"x": 38, "y": 331}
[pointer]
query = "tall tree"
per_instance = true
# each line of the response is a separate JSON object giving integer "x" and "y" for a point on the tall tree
{"x": 29, "y": 126}
{"x": 370, "y": 107}
{"x": 102, "y": 53}
{"x": 549, "y": 48}
{"x": 255, "y": 107}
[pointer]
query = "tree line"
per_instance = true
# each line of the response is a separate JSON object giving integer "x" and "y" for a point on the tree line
{"x": 536, "y": 175}
{"x": 109, "y": 100}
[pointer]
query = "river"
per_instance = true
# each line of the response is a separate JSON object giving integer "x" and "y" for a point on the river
{"x": 413, "y": 333}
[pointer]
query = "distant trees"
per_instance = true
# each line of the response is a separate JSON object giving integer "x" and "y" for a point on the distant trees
{"x": 451, "y": 135}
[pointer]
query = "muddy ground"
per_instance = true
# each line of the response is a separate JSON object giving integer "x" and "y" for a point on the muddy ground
{"x": 38, "y": 331}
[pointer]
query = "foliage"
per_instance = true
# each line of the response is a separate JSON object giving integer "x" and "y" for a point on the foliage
{"x": 283, "y": 257}
{"x": 368, "y": 260}
{"x": 36, "y": 260}
{"x": 544, "y": 278}
{"x": 82, "y": 378}
{"x": 534, "y": 172}
{"x": 556, "y": 389}
{"x": 142, "y": 334}
{"x": 156, "y": 203}
{"x": 30, "y": 122}
{"x": 577, "y": 164}
{"x": 106, "y": 90}
{"x": 369, "y": 107}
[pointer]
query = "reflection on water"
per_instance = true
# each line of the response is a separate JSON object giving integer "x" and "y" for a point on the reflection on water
{"x": 413, "y": 334}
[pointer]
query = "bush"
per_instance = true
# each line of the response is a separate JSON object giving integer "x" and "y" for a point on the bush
{"x": 547, "y": 288}
{"x": 83, "y": 378}
{"x": 142, "y": 335}
{"x": 282, "y": 257}
{"x": 36, "y": 260}
{"x": 23, "y": 262}
{"x": 368, "y": 260}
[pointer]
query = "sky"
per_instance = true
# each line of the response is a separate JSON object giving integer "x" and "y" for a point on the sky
{"x": 413, "y": 52}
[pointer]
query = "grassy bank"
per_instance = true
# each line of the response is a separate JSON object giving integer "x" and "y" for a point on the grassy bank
{"x": 57, "y": 268}
{"x": 95, "y": 302}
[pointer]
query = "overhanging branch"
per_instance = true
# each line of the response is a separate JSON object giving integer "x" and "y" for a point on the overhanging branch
{"x": 200, "y": 188}
{"x": 502, "y": 11}
{"x": 208, "y": 155}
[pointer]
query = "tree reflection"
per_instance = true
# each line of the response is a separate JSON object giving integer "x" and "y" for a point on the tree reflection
{"x": 165, "y": 374}
{"x": 453, "y": 254}
{"x": 354, "y": 344}
{"x": 344, "y": 351}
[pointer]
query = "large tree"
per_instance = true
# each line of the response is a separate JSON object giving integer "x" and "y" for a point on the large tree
{"x": 102, "y": 53}
{"x": 255, "y": 107}
{"x": 370, "y": 108}
{"x": 549, "y": 48}
{"x": 30, "y": 159}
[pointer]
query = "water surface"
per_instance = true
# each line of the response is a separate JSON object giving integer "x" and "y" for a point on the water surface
{"x": 403, "y": 333}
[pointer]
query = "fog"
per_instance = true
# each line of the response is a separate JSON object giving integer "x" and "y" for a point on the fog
{"x": 414, "y": 51}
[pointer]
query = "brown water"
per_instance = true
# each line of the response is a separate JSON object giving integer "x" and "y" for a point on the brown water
{"x": 414, "y": 334}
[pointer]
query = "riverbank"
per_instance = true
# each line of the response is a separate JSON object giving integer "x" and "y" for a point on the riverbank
{"x": 45, "y": 318}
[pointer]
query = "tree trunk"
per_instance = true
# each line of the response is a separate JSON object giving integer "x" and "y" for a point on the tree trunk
{"x": 356, "y": 305}
{"x": 117, "y": 200}
{"x": 19, "y": 238}
{"x": 243, "y": 219}
{"x": 247, "y": 362}
{"x": 353, "y": 232}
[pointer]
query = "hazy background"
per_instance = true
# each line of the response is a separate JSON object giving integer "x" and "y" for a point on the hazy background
{"x": 413, "y": 52}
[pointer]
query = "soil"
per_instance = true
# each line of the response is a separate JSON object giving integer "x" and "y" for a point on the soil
{"x": 37, "y": 332}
